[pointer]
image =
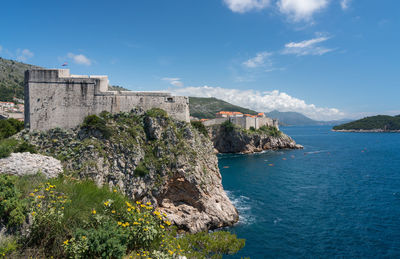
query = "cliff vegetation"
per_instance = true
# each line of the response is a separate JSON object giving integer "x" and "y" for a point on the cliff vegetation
{"x": 229, "y": 138}
{"x": 69, "y": 218}
{"x": 131, "y": 182}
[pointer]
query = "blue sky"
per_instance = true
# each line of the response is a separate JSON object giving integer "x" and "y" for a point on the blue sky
{"x": 328, "y": 59}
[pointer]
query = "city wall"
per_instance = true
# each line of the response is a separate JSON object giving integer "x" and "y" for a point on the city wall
{"x": 245, "y": 122}
{"x": 55, "y": 98}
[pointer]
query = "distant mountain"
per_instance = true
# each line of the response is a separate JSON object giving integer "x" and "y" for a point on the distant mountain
{"x": 379, "y": 122}
{"x": 206, "y": 108}
{"x": 12, "y": 79}
{"x": 291, "y": 118}
{"x": 298, "y": 119}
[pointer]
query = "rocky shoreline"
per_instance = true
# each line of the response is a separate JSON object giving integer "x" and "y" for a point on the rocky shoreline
{"x": 240, "y": 141}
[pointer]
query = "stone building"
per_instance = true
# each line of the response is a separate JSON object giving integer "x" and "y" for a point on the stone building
{"x": 243, "y": 120}
{"x": 55, "y": 98}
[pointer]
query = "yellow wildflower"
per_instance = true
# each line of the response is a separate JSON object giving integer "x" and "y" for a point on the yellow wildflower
{"x": 66, "y": 242}
{"x": 119, "y": 223}
{"x": 83, "y": 237}
{"x": 114, "y": 190}
{"x": 113, "y": 211}
{"x": 32, "y": 194}
{"x": 138, "y": 202}
{"x": 136, "y": 223}
{"x": 33, "y": 213}
{"x": 129, "y": 209}
{"x": 148, "y": 203}
{"x": 93, "y": 211}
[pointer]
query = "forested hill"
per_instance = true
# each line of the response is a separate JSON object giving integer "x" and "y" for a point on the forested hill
{"x": 379, "y": 122}
{"x": 206, "y": 108}
{"x": 12, "y": 79}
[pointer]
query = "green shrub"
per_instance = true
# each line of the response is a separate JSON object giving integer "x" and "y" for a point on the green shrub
{"x": 141, "y": 170}
{"x": 200, "y": 127}
{"x": 12, "y": 205}
{"x": 25, "y": 147}
{"x": 105, "y": 114}
{"x": 8, "y": 245}
{"x": 107, "y": 240}
{"x": 7, "y": 146}
{"x": 228, "y": 126}
{"x": 77, "y": 219}
{"x": 252, "y": 128}
{"x": 210, "y": 245}
{"x": 270, "y": 130}
{"x": 157, "y": 112}
{"x": 10, "y": 127}
{"x": 94, "y": 122}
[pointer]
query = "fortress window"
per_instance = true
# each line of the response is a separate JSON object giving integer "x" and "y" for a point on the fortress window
{"x": 170, "y": 99}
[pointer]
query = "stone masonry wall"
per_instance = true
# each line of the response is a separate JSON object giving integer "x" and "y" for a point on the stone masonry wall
{"x": 54, "y": 98}
{"x": 245, "y": 122}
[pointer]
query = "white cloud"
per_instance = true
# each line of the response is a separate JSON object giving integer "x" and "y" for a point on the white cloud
{"x": 259, "y": 60}
{"x": 345, "y": 4}
{"x": 306, "y": 47}
{"x": 301, "y": 10}
{"x": 24, "y": 55}
{"x": 80, "y": 59}
{"x": 262, "y": 102}
{"x": 1, "y": 48}
{"x": 242, "y": 6}
{"x": 175, "y": 81}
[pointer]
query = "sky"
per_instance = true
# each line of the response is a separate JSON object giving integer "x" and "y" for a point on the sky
{"x": 328, "y": 59}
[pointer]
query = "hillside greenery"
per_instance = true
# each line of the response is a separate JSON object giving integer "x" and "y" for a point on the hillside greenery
{"x": 8, "y": 145}
{"x": 70, "y": 218}
{"x": 12, "y": 79}
{"x": 206, "y": 108}
{"x": 382, "y": 122}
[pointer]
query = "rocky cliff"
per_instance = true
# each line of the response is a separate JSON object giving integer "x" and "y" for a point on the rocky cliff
{"x": 231, "y": 139}
{"x": 149, "y": 157}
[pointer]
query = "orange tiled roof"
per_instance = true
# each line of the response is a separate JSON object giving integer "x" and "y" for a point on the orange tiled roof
{"x": 229, "y": 113}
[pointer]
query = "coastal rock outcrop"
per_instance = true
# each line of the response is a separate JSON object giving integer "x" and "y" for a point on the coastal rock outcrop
{"x": 27, "y": 164}
{"x": 236, "y": 140}
{"x": 149, "y": 157}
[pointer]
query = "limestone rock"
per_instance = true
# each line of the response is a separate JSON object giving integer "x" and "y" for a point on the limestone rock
{"x": 238, "y": 141}
{"x": 160, "y": 160}
{"x": 27, "y": 164}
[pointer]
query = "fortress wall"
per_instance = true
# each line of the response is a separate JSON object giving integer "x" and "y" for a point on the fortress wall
{"x": 216, "y": 121}
{"x": 54, "y": 98}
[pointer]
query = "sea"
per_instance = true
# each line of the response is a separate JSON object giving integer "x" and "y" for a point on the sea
{"x": 339, "y": 197}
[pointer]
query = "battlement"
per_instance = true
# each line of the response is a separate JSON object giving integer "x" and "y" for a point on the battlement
{"x": 56, "y": 98}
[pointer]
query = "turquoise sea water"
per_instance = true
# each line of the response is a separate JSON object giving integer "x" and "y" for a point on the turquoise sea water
{"x": 337, "y": 198}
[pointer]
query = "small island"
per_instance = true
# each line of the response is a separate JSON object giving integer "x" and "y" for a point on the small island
{"x": 379, "y": 123}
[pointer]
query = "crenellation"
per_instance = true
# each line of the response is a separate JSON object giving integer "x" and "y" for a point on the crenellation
{"x": 55, "y": 98}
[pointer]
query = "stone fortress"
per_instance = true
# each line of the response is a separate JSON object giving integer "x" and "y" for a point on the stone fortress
{"x": 55, "y": 98}
{"x": 243, "y": 120}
